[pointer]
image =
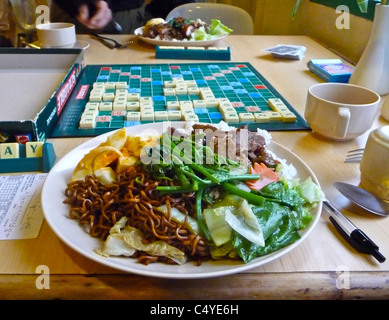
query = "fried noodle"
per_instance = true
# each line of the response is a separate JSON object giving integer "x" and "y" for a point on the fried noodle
{"x": 133, "y": 195}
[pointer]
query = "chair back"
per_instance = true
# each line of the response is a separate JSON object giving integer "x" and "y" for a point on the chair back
{"x": 233, "y": 17}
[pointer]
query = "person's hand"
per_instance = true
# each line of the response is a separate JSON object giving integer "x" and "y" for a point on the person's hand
{"x": 100, "y": 19}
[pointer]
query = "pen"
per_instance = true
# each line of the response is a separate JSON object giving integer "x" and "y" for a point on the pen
{"x": 353, "y": 235}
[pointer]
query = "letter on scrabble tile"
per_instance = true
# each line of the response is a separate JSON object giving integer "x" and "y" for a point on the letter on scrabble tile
{"x": 174, "y": 115}
{"x": 277, "y": 105}
{"x": 87, "y": 122}
{"x": 34, "y": 149}
{"x": 121, "y": 85}
{"x": 9, "y": 150}
{"x": 172, "y": 105}
{"x": 110, "y": 85}
{"x": 169, "y": 91}
{"x": 288, "y": 116}
{"x": 109, "y": 96}
{"x": 191, "y": 117}
{"x": 246, "y": 117}
{"x": 199, "y": 104}
{"x": 133, "y": 105}
{"x": 105, "y": 106}
{"x": 133, "y": 96}
{"x": 161, "y": 115}
{"x": 261, "y": 117}
{"x": 133, "y": 116}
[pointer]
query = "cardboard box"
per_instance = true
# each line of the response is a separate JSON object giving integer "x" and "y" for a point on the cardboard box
{"x": 34, "y": 88}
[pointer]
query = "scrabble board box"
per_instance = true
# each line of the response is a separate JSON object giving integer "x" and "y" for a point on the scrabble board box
{"x": 35, "y": 86}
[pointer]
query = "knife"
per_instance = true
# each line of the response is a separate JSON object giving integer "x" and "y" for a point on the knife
{"x": 363, "y": 198}
{"x": 353, "y": 235}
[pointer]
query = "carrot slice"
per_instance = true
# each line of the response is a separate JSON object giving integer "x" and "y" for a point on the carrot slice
{"x": 267, "y": 176}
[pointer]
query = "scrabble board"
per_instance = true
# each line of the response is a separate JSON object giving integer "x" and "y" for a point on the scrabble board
{"x": 114, "y": 96}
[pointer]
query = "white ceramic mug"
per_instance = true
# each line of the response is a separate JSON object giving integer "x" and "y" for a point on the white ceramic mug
{"x": 56, "y": 35}
{"x": 375, "y": 163}
{"x": 340, "y": 111}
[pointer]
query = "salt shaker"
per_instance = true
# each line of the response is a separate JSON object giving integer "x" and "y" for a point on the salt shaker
{"x": 374, "y": 165}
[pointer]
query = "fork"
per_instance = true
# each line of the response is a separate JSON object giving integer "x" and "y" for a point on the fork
{"x": 111, "y": 43}
{"x": 354, "y": 155}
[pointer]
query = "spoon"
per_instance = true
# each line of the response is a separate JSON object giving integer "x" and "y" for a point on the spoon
{"x": 363, "y": 198}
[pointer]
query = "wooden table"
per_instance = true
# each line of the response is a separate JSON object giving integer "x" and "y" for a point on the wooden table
{"x": 324, "y": 266}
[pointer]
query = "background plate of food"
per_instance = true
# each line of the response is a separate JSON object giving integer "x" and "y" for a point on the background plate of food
{"x": 182, "y": 32}
{"x": 212, "y": 260}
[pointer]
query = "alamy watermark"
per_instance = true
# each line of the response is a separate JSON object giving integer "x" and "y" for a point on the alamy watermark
{"x": 43, "y": 280}
{"x": 343, "y": 20}
{"x": 43, "y": 14}
{"x": 343, "y": 277}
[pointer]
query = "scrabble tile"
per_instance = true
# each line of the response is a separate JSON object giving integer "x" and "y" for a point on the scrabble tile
{"x": 108, "y": 96}
{"x": 98, "y": 85}
{"x": 169, "y": 91}
{"x": 207, "y": 96}
{"x": 146, "y": 99}
{"x": 246, "y": 117}
{"x": 133, "y": 105}
{"x": 199, "y": 104}
{"x": 261, "y": 117}
{"x": 147, "y": 115}
{"x": 196, "y": 48}
{"x": 121, "y": 85}
{"x": 110, "y": 85}
{"x": 91, "y": 110}
{"x": 276, "y": 104}
{"x": 161, "y": 116}
{"x": 87, "y": 122}
{"x": 181, "y": 90}
{"x": 119, "y": 106}
{"x": 211, "y": 103}
{"x": 169, "y": 84}
{"x": 179, "y": 82}
{"x": 9, "y": 150}
{"x": 92, "y": 104}
{"x": 231, "y": 117}
{"x": 274, "y": 116}
{"x": 133, "y": 96}
{"x": 133, "y": 116}
{"x": 121, "y": 92}
{"x": 146, "y": 106}
{"x": 288, "y": 116}
{"x": 87, "y": 114}
{"x": 105, "y": 106}
{"x": 193, "y": 90}
{"x": 97, "y": 92}
{"x": 186, "y": 105}
{"x": 96, "y": 97}
{"x": 191, "y": 83}
{"x": 174, "y": 114}
{"x": 172, "y": 105}
{"x": 191, "y": 117}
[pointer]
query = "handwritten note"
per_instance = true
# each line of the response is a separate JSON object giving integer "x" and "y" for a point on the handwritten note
{"x": 21, "y": 215}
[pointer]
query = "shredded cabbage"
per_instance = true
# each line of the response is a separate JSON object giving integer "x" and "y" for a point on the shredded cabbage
{"x": 125, "y": 240}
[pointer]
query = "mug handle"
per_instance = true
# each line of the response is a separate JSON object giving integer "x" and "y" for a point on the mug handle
{"x": 342, "y": 122}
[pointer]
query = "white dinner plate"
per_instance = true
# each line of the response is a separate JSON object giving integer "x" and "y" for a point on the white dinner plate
{"x": 183, "y": 43}
{"x": 76, "y": 237}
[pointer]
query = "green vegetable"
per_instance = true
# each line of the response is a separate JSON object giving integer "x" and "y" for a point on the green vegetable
{"x": 216, "y": 30}
{"x": 218, "y": 227}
